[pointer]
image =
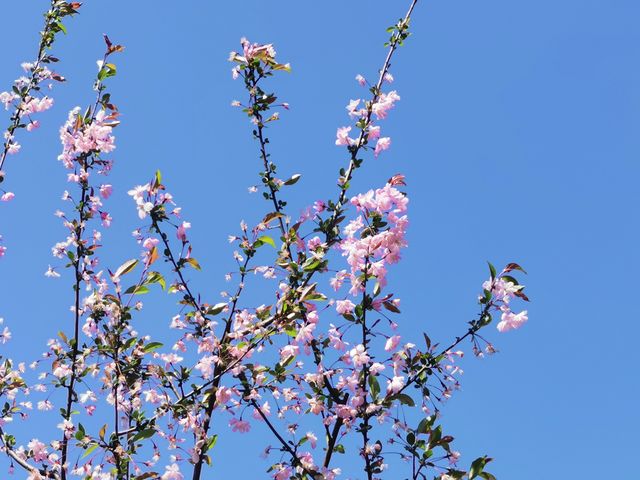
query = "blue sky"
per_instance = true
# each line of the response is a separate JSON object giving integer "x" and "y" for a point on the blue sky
{"x": 517, "y": 131}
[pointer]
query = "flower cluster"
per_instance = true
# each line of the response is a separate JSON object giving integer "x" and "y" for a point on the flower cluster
{"x": 499, "y": 290}
{"x": 25, "y": 99}
{"x": 363, "y": 112}
{"x": 322, "y": 375}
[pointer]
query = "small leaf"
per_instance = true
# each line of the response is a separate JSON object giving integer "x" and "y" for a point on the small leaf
{"x": 136, "y": 290}
{"x": 405, "y": 399}
{"x": 269, "y": 217}
{"x": 513, "y": 266}
{"x": 89, "y": 450}
{"x": 153, "y": 255}
{"x": 492, "y": 269}
{"x": 217, "y": 308}
{"x": 193, "y": 262}
{"x": 156, "y": 277}
{"x": 125, "y": 268}
{"x": 293, "y": 180}
{"x": 266, "y": 239}
{"x": 150, "y": 347}
{"x": 147, "y": 433}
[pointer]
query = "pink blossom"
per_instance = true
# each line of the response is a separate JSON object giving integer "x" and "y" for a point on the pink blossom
{"x": 359, "y": 356}
{"x": 181, "y": 233}
{"x": 511, "y": 321}
{"x": 239, "y": 425}
{"x": 105, "y": 191}
{"x": 13, "y": 148}
{"x": 361, "y": 80}
{"x": 38, "y": 449}
{"x": 224, "y": 395}
{"x": 395, "y": 385}
{"x": 374, "y": 132}
{"x": 342, "y": 136}
{"x": 315, "y": 405}
{"x": 384, "y": 104}
{"x": 383, "y": 144}
{"x": 376, "y": 368}
{"x": 392, "y": 343}
{"x": 5, "y": 336}
{"x": 319, "y": 206}
{"x": 344, "y": 307}
{"x": 284, "y": 473}
{"x": 172, "y": 472}
{"x": 7, "y": 196}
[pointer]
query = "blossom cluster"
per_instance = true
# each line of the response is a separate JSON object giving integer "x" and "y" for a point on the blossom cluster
{"x": 499, "y": 291}
{"x": 25, "y": 98}
{"x": 362, "y": 111}
{"x": 301, "y": 365}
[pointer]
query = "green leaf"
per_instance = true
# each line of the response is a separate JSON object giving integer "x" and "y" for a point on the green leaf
{"x": 147, "y": 433}
{"x": 217, "y": 308}
{"x": 405, "y": 399}
{"x": 156, "y": 277}
{"x": 136, "y": 290}
{"x": 89, "y": 450}
{"x": 492, "y": 269}
{"x": 293, "y": 180}
{"x": 374, "y": 387}
{"x": 125, "y": 268}
{"x": 265, "y": 239}
{"x": 211, "y": 443}
{"x": 477, "y": 466}
{"x": 487, "y": 476}
{"x": 150, "y": 347}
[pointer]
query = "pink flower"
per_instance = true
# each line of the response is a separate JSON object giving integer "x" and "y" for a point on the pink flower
{"x": 312, "y": 439}
{"x": 512, "y": 321}
{"x": 344, "y": 306}
{"x": 13, "y": 148}
{"x": 51, "y": 272}
{"x": 395, "y": 385}
{"x": 359, "y": 356}
{"x": 383, "y": 144}
{"x": 361, "y": 80}
{"x": 384, "y": 104}
{"x": 38, "y": 449}
{"x": 172, "y": 472}
{"x": 392, "y": 343}
{"x": 342, "y": 136}
{"x": 7, "y": 196}
{"x": 33, "y": 125}
{"x": 284, "y": 473}
{"x": 181, "y": 233}
{"x": 239, "y": 425}
{"x": 374, "y": 132}
{"x": 376, "y": 368}
{"x": 105, "y": 191}
{"x": 150, "y": 242}
{"x": 223, "y": 395}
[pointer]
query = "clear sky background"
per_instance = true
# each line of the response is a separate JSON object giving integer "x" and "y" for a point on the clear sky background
{"x": 518, "y": 134}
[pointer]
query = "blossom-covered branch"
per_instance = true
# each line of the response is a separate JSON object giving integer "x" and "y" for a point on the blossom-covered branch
{"x": 25, "y": 99}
